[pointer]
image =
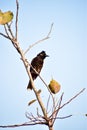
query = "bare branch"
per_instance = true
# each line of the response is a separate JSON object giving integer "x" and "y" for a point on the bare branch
{"x": 53, "y": 117}
{"x": 10, "y": 30}
{"x": 23, "y": 124}
{"x": 45, "y": 38}
{"x": 48, "y": 103}
{"x": 50, "y": 30}
{"x": 72, "y": 98}
{"x": 4, "y": 35}
{"x": 34, "y": 119}
{"x": 55, "y": 112}
{"x": 6, "y": 31}
{"x": 64, "y": 117}
{"x": 16, "y": 22}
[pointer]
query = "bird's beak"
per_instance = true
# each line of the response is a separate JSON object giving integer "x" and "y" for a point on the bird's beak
{"x": 47, "y": 55}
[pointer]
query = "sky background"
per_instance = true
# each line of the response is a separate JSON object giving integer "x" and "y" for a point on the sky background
{"x": 67, "y": 48}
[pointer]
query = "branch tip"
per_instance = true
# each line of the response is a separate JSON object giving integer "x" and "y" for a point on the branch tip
{"x": 39, "y": 41}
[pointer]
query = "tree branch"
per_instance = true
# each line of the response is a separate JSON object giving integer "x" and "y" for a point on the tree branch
{"x": 45, "y": 38}
{"x": 64, "y": 117}
{"x": 23, "y": 124}
{"x": 56, "y": 110}
{"x": 10, "y": 31}
{"x": 6, "y": 31}
{"x": 55, "y": 113}
{"x": 5, "y": 36}
{"x": 16, "y": 22}
{"x": 72, "y": 98}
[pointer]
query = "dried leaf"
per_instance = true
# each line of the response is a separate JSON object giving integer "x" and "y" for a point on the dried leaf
{"x": 32, "y": 101}
{"x": 54, "y": 86}
{"x": 5, "y": 17}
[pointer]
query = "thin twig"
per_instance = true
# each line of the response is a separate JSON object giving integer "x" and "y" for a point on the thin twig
{"x": 23, "y": 124}
{"x": 72, "y": 98}
{"x": 63, "y": 117}
{"x": 58, "y": 106}
{"x": 6, "y": 31}
{"x": 4, "y": 35}
{"x": 45, "y": 38}
{"x": 48, "y": 103}
{"x": 32, "y": 118}
{"x": 16, "y": 22}
{"x": 55, "y": 113}
{"x": 50, "y": 30}
{"x": 10, "y": 30}
{"x": 38, "y": 113}
{"x": 61, "y": 98}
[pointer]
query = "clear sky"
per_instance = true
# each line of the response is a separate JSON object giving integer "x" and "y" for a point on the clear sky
{"x": 67, "y": 48}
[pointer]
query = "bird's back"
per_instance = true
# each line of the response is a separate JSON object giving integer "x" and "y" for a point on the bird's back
{"x": 37, "y": 64}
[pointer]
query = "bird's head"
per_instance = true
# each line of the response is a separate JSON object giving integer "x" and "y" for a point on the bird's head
{"x": 43, "y": 55}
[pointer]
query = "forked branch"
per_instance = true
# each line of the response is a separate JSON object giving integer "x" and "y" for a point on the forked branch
{"x": 43, "y": 39}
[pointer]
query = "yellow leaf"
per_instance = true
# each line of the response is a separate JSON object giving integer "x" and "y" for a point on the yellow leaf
{"x": 1, "y": 13}
{"x": 54, "y": 86}
{"x": 5, "y": 17}
{"x": 1, "y": 16}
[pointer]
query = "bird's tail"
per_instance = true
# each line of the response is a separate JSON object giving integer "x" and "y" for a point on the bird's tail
{"x": 29, "y": 85}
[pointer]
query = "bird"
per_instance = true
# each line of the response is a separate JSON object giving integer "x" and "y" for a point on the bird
{"x": 37, "y": 64}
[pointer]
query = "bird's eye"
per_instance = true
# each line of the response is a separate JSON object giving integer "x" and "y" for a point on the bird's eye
{"x": 41, "y": 54}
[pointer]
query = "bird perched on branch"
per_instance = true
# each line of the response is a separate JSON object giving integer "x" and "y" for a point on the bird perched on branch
{"x": 37, "y": 64}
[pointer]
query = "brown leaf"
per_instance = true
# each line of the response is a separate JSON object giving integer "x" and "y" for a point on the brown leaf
{"x": 32, "y": 101}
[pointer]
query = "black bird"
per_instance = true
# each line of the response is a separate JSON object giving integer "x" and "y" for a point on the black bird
{"x": 37, "y": 64}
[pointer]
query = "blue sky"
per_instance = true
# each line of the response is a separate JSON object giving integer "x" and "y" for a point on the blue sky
{"x": 67, "y": 62}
